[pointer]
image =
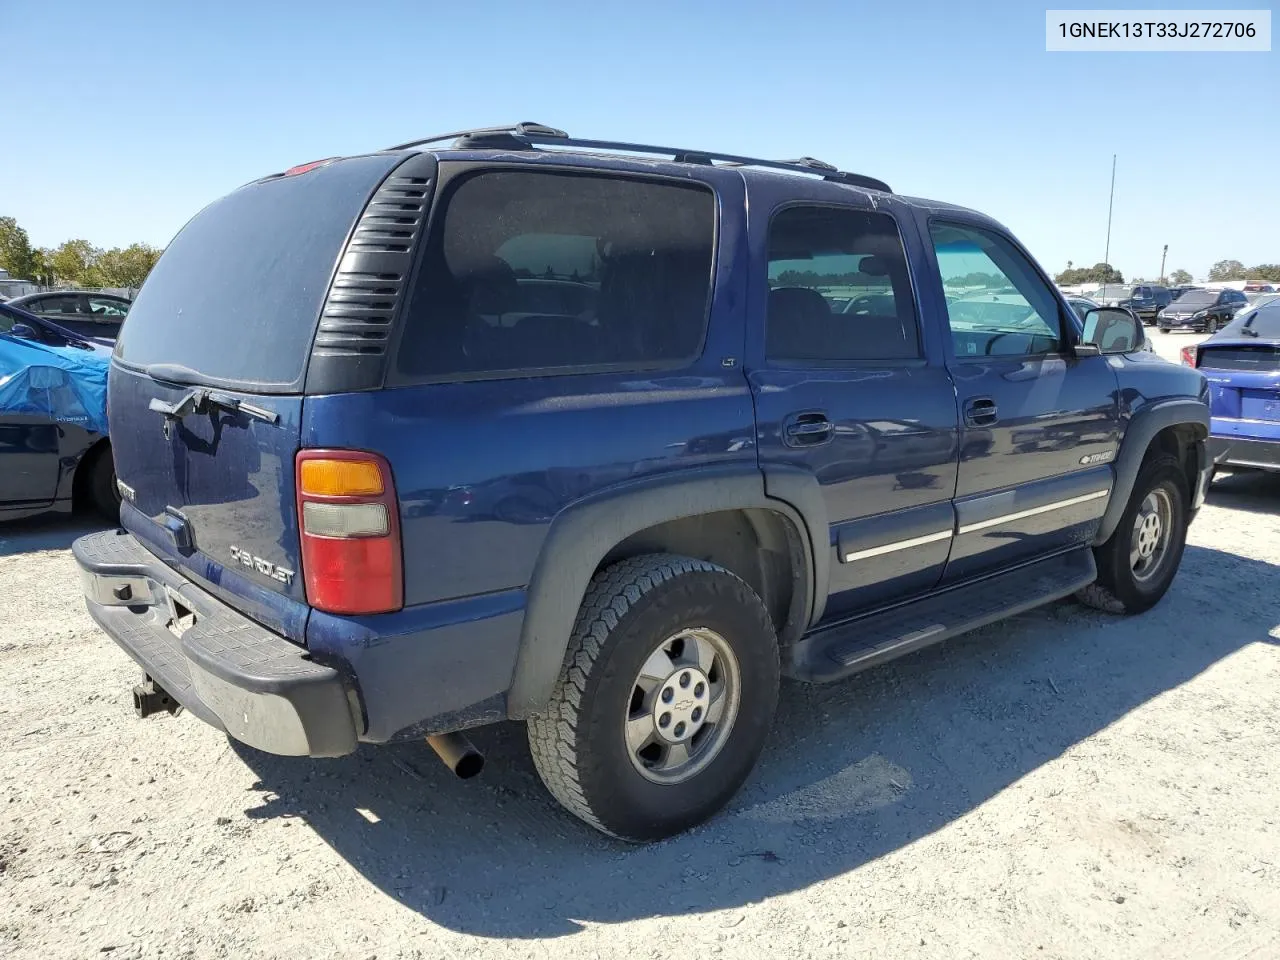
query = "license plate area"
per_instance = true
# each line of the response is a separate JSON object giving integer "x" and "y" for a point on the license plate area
{"x": 1260, "y": 405}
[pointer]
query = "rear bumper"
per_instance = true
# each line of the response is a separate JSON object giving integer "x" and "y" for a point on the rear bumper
{"x": 1241, "y": 452}
{"x": 222, "y": 666}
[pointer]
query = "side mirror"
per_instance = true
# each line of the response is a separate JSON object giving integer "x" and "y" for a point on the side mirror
{"x": 22, "y": 331}
{"x": 1112, "y": 330}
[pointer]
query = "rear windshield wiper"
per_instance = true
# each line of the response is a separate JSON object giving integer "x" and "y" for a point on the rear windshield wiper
{"x": 200, "y": 400}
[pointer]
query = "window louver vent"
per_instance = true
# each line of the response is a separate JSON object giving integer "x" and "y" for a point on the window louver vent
{"x": 357, "y": 316}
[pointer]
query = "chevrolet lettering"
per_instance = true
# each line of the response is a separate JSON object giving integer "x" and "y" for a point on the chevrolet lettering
{"x": 264, "y": 567}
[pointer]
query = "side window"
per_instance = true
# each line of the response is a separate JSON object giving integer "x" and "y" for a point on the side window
{"x": 56, "y": 305}
{"x": 557, "y": 272}
{"x": 838, "y": 287}
{"x": 107, "y": 307}
{"x": 997, "y": 304}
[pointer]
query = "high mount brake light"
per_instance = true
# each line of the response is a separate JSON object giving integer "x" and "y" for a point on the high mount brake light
{"x": 349, "y": 523}
{"x": 306, "y": 167}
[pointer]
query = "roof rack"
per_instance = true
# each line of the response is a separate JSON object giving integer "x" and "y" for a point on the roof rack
{"x": 526, "y": 136}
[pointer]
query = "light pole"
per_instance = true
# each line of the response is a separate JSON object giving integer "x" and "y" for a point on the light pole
{"x": 1106, "y": 257}
{"x": 1163, "y": 254}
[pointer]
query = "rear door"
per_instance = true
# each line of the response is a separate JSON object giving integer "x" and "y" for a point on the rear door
{"x": 846, "y": 387}
{"x": 221, "y": 335}
{"x": 1039, "y": 426}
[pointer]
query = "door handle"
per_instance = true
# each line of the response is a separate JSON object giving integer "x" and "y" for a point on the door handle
{"x": 807, "y": 429}
{"x": 980, "y": 412}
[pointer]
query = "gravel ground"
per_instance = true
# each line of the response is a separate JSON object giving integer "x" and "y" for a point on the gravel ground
{"x": 1066, "y": 784}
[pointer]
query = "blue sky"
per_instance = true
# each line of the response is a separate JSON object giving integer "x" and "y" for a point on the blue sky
{"x": 124, "y": 118}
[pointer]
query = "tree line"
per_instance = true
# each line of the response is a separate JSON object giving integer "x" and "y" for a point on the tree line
{"x": 1222, "y": 270}
{"x": 75, "y": 262}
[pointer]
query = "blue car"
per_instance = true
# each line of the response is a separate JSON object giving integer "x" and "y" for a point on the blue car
{"x": 55, "y": 453}
{"x": 25, "y": 325}
{"x": 1242, "y": 364}
{"x": 606, "y": 438}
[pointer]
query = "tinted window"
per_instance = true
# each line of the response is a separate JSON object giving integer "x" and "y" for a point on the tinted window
{"x": 237, "y": 294}
{"x": 1263, "y": 321}
{"x": 838, "y": 287}
{"x": 62, "y": 304}
{"x": 997, "y": 304}
{"x": 529, "y": 271}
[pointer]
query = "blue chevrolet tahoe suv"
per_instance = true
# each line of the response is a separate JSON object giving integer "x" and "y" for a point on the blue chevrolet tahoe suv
{"x": 606, "y": 438}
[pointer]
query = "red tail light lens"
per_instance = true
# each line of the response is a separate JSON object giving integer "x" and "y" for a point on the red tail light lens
{"x": 1189, "y": 356}
{"x": 350, "y": 527}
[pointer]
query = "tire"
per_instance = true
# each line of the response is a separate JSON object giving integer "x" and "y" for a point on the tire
{"x": 631, "y": 612}
{"x": 101, "y": 485}
{"x": 1125, "y": 585}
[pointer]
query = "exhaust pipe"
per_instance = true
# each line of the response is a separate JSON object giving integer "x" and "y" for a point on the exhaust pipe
{"x": 458, "y": 753}
{"x": 150, "y": 698}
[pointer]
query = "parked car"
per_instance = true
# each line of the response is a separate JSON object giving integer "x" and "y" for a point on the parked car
{"x": 1259, "y": 288}
{"x": 95, "y": 315}
{"x": 1242, "y": 364}
{"x": 1204, "y": 311}
{"x": 1144, "y": 299}
{"x": 389, "y": 514}
{"x": 54, "y": 448}
{"x": 27, "y": 326}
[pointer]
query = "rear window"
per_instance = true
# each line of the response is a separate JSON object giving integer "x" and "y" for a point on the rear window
{"x": 537, "y": 273}
{"x": 1264, "y": 321}
{"x": 237, "y": 294}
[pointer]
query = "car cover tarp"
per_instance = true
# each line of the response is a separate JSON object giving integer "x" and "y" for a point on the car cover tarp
{"x": 66, "y": 384}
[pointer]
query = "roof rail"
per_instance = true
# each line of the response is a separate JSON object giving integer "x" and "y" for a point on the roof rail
{"x": 526, "y": 136}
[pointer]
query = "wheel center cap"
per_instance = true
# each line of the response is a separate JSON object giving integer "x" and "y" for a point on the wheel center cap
{"x": 680, "y": 705}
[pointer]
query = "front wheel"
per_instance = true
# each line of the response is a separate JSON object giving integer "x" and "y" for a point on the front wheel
{"x": 664, "y": 701}
{"x": 1138, "y": 563}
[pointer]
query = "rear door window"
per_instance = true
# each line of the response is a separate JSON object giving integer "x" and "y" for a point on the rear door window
{"x": 60, "y": 304}
{"x": 539, "y": 273}
{"x": 839, "y": 289}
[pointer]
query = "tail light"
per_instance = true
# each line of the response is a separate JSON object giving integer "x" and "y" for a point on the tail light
{"x": 1190, "y": 357}
{"x": 350, "y": 526}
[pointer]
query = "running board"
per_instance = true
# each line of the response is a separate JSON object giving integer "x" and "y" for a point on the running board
{"x": 849, "y": 646}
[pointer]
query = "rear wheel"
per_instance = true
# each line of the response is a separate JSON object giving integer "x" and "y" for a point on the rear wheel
{"x": 1138, "y": 563}
{"x": 101, "y": 485}
{"x": 664, "y": 701}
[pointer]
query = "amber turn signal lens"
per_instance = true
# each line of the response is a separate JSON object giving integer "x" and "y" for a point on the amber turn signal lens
{"x": 340, "y": 478}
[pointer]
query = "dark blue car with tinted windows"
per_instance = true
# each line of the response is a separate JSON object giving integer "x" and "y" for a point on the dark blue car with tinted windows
{"x": 607, "y": 437}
